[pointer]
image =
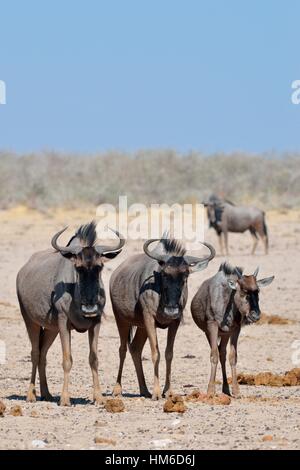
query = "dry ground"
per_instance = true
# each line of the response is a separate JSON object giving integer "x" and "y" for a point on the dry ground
{"x": 241, "y": 425}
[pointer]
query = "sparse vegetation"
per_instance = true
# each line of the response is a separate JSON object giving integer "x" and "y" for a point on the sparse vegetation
{"x": 52, "y": 179}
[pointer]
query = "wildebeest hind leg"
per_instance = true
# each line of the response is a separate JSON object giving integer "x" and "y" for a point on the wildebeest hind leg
{"x": 136, "y": 348}
{"x": 46, "y": 339}
{"x": 34, "y": 335}
{"x": 124, "y": 329}
{"x": 222, "y": 353}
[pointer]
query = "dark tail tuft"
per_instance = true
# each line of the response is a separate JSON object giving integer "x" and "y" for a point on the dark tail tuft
{"x": 131, "y": 334}
{"x": 266, "y": 232}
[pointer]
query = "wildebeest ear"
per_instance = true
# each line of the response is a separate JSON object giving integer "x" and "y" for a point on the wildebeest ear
{"x": 232, "y": 284}
{"x": 199, "y": 266}
{"x": 265, "y": 282}
{"x": 111, "y": 254}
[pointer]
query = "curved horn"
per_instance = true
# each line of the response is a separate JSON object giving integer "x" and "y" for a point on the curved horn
{"x": 74, "y": 250}
{"x": 104, "y": 250}
{"x": 237, "y": 272}
{"x": 156, "y": 256}
{"x": 192, "y": 260}
{"x": 256, "y": 272}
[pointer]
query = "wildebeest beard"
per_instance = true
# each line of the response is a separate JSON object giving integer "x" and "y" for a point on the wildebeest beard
{"x": 218, "y": 219}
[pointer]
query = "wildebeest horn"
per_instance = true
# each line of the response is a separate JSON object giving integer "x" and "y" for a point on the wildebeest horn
{"x": 156, "y": 256}
{"x": 256, "y": 272}
{"x": 237, "y": 272}
{"x": 193, "y": 260}
{"x": 75, "y": 249}
{"x": 104, "y": 250}
{"x": 190, "y": 260}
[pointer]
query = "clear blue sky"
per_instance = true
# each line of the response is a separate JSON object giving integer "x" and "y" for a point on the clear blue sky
{"x": 93, "y": 75}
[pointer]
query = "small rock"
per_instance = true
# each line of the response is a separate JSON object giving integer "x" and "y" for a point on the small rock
{"x": 38, "y": 444}
{"x": 161, "y": 443}
{"x": 268, "y": 437}
{"x": 34, "y": 414}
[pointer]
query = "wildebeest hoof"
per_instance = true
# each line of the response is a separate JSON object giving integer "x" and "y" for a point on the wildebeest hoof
{"x": 117, "y": 391}
{"x": 226, "y": 390}
{"x": 167, "y": 393}
{"x": 65, "y": 400}
{"x": 145, "y": 393}
{"x": 211, "y": 391}
{"x": 47, "y": 397}
{"x": 31, "y": 396}
{"x": 98, "y": 399}
{"x": 156, "y": 396}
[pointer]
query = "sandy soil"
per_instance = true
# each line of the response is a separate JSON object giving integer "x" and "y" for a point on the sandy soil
{"x": 241, "y": 425}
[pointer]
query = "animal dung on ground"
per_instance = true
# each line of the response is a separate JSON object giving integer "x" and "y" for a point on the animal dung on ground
{"x": 289, "y": 378}
{"x": 274, "y": 320}
{"x": 104, "y": 441}
{"x": 16, "y": 410}
{"x": 2, "y": 408}
{"x": 198, "y": 397}
{"x": 174, "y": 404}
{"x": 114, "y": 405}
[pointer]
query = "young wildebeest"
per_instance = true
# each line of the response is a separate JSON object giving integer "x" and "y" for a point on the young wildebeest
{"x": 225, "y": 217}
{"x": 59, "y": 291}
{"x": 222, "y": 305}
{"x": 149, "y": 291}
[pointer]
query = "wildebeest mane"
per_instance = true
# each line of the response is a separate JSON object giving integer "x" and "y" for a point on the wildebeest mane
{"x": 87, "y": 234}
{"x": 172, "y": 246}
{"x": 229, "y": 270}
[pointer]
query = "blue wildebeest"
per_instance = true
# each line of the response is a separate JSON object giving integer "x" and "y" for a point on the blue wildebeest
{"x": 149, "y": 291}
{"x": 221, "y": 306}
{"x": 226, "y": 217}
{"x": 59, "y": 291}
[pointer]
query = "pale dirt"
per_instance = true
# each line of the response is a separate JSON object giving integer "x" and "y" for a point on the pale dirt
{"x": 241, "y": 425}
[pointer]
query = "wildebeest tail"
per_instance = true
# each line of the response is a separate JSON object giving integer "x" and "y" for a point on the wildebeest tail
{"x": 131, "y": 334}
{"x": 265, "y": 229}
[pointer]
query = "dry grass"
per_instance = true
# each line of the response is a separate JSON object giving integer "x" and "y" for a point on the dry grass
{"x": 52, "y": 180}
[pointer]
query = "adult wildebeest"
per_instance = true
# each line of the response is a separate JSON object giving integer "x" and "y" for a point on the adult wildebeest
{"x": 222, "y": 305}
{"x": 149, "y": 291}
{"x": 226, "y": 217}
{"x": 59, "y": 291}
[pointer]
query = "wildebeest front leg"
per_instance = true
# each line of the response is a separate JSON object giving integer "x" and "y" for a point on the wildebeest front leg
{"x": 212, "y": 335}
{"x": 222, "y": 353}
{"x": 93, "y": 359}
{"x": 172, "y": 330}
{"x": 151, "y": 332}
{"x": 233, "y": 360}
{"x": 65, "y": 336}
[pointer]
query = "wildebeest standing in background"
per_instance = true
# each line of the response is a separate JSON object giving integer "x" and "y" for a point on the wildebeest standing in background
{"x": 226, "y": 217}
{"x": 59, "y": 291}
{"x": 221, "y": 306}
{"x": 149, "y": 291}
